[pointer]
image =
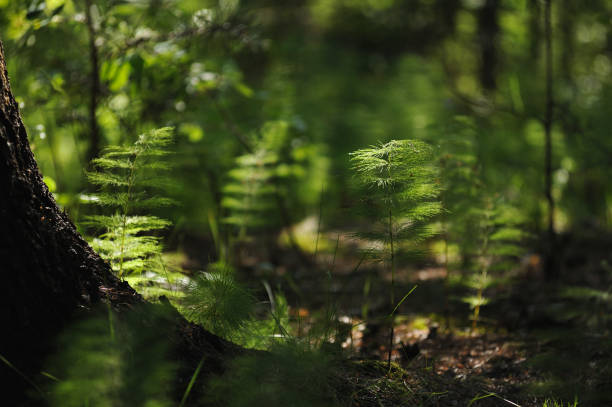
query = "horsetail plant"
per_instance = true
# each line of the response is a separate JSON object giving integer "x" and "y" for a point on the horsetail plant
{"x": 461, "y": 185}
{"x": 402, "y": 200}
{"x": 500, "y": 232}
{"x": 129, "y": 179}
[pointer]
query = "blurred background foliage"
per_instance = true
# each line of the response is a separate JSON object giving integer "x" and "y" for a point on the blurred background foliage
{"x": 340, "y": 75}
{"x": 268, "y": 99}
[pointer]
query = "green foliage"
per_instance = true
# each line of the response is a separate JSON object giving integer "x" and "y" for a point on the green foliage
{"x": 218, "y": 302}
{"x": 291, "y": 374}
{"x": 500, "y": 233}
{"x": 401, "y": 192}
{"x": 558, "y": 403}
{"x": 593, "y": 305}
{"x": 251, "y": 194}
{"x": 328, "y": 78}
{"x": 279, "y": 174}
{"x": 461, "y": 182}
{"x": 107, "y": 361}
{"x": 324, "y": 78}
{"x": 402, "y": 199}
{"x": 269, "y": 329}
{"x": 224, "y": 306}
{"x": 130, "y": 180}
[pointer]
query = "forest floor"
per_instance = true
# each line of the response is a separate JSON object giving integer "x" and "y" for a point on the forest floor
{"x": 534, "y": 341}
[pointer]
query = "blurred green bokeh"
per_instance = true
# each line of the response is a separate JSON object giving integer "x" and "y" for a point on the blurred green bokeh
{"x": 342, "y": 75}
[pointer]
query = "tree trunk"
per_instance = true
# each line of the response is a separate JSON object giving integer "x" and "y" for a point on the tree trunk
{"x": 488, "y": 31}
{"x": 535, "y": 29}
{"x": 49, "y": 272}
{"x": 550, "y": 261}
{"x": 94, "y": 85}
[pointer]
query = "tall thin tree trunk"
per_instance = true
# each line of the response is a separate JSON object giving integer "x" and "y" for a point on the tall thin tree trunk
{"x": 535, "y": 27}
{"x": 550, "y": 266}
{"x": 488, "y": 31}
{"x": 94, "y": 84}
{"x": 566, "y": 30}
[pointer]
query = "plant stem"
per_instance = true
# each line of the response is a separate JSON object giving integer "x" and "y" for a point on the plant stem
{"x": 191, "y": 383}
{"x": 392, "y": 248}
{"x": 477, "y": 308}
{"x": 551, "y": 271}
{"x": 319, "y": 222}
{"x": 446, "y": 277}
{"x": 94, "y": 92}
{"x": 125, "y": 212}
{"x": 485, "y": 266}
{"x": 392, "y": 293}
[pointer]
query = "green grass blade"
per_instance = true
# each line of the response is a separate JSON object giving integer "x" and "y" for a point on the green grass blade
{"x": 194, "y": 377}
{"x": 402, "y": 300}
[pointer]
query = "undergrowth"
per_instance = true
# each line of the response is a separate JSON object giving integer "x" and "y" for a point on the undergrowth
{"x": 499, "y": 233}
{"x": 107, "y": 361}
{"x": 131, "y": 182}
{"x": 557, "y": 403}
{"x": 402, "y": 192}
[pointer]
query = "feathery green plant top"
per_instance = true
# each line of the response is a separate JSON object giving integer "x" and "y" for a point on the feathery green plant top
{"x": 130, "y": 180}
{"x": 402, "y": 199}
{"x": 402, "y": 189}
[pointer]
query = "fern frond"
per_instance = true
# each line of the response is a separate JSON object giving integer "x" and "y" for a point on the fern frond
{"x": 129, "y": 178}
{"x": 415, "y": 232}
{"x": 257, "y": 181}
{"x": 107, "y": 179}
{"x": 142, "y": 201}
{"x": 511, "y": 234}
{"x": 103, "y": 199}
{"x": 111, "y": 163}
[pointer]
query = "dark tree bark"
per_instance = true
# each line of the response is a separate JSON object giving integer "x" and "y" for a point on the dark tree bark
{"x": 50, "y": 275}
{"x": 567, "y": 18}
{"x": 488, "y": 31}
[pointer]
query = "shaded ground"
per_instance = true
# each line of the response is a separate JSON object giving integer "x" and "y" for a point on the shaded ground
{"x": 534, "y": 340}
